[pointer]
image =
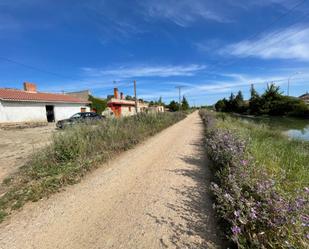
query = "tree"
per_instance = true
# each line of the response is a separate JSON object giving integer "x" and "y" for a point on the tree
{"x": 239, "y": 104}
{"x": 184, "y": 104}
{"x": 272, "y": 102}
{"x": 254, "y": 102}
{"x": 97, "y": 104}
{"x": 230, "y": 103}
{"x": 221, "y": 105}
{"x": 128, "y": 97}
{"x": 270, "y": 99}
{"x": 173, "y": 106}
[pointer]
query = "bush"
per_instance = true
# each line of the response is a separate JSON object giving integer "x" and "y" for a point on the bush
{"x": 271, "y": 102}
{"x": 258, "y": 213}
{"x": 76, "y": 151}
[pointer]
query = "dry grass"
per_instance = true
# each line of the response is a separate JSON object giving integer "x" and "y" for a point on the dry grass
{"x": 75, "y": 152}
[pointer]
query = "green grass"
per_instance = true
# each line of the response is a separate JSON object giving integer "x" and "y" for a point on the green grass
{"x": 286, "y": 160}
{"x": 73, "y": 153}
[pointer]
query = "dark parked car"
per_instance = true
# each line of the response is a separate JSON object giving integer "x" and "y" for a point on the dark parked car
{"x": 81, "y": 117}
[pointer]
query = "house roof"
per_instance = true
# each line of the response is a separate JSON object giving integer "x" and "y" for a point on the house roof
{"x": 24, "y": 96}
{"x": 304, "y": 96}
{"x": 126, "y": 102}
{"x": 121, "y": 102}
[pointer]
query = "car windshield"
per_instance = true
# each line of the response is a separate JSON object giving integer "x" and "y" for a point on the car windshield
{"x": 77, "y": 115}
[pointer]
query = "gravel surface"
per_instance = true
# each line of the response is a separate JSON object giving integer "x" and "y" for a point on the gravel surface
{"x": 153, "y": 196}
{"x": 17, "y": 145}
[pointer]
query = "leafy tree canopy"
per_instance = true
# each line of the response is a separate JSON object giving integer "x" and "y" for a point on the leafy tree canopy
{"x": 271, "y": 102}
{"x": 97, "y": 104}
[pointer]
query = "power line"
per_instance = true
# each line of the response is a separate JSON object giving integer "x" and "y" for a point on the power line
{"x": 255, "y": 35}
{"x": 243, "y": 85}
{"x": 288, "y": 12}
{"x": 39, "y": 69}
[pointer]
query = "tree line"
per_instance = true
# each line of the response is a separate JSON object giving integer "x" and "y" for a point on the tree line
{"x": 271, "y": 102}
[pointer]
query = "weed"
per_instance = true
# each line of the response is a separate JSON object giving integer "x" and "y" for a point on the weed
{"x": 76, "y": 151}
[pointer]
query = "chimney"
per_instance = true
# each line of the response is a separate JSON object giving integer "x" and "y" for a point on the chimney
{"x": 30, "y": 87}
{"x": 116, "y": 93}
{"x": 121, "y": 96}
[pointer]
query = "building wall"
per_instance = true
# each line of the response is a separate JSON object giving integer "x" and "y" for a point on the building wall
{"x": 155, "y": 109}
{"x": 63, "y": 111}
{"x": 125, "y": 110}
{"x": 12, "y": 112}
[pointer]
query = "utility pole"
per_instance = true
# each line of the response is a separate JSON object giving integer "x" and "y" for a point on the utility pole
{"x": 289, "y": 81}
{"x": 135, "y": 97}
{"x": 179, "y": 91}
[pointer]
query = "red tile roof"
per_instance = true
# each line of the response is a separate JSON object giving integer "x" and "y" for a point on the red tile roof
{"x": 19, "y": 95}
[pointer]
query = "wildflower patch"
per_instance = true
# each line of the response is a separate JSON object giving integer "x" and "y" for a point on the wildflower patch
{"x": 258, "y": 214}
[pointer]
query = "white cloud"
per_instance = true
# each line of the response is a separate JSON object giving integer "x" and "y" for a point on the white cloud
{"x": 183, "y": 12}
{"x": 291, "y": 43}
{"x": 146, "y": 71}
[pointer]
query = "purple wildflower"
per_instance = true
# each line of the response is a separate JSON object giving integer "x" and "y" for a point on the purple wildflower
{"x": 236, "y": 230}
{"x": 253, "y": 214}
{"x": 237, "y": 213}
{"x": 244, "y": 162}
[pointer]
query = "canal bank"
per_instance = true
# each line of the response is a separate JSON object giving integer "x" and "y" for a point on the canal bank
{"x": 296, "y": 128}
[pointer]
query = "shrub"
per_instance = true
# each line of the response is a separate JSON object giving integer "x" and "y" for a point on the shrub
{"x": 258, "y": 213}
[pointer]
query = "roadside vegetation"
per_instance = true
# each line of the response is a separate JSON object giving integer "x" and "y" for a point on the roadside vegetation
{"x": 261, "y": 183}
{"x": 75, "y": 152}
{"x": 271, "y": 102}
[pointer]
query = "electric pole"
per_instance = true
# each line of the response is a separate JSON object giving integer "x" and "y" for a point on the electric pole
{"x": 179, "y": 92}
{"x": 135, "y": 97}
{"x": 289, "y": 81}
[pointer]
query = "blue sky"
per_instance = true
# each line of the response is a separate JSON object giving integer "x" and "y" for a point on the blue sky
{"x": 212, "y": 48}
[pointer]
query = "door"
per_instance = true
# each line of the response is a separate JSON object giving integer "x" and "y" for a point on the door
{"x": 50, "y": 115}
{"x": 117, "y": 110}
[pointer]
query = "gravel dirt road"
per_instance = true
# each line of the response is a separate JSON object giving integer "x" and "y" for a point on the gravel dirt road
{"x": 153, "y": 196}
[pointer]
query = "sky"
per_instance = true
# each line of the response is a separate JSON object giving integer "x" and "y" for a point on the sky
{"x": 209, "y": 48}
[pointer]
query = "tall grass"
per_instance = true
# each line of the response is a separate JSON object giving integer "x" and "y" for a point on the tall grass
{"x": 285, "y": 160}
{"x": 262, "y": 183}
{"x": 76, "y": 151}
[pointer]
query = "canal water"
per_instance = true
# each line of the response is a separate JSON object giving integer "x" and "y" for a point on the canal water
{"x": 292, "y": 127}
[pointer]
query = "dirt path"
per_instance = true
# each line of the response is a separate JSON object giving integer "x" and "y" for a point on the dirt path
{"x": 17, "y": 145}
{"x": 154, "y": 196}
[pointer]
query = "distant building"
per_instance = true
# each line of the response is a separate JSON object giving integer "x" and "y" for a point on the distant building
{"x": 29, "y": 105}
{"x": 122, "y": 107}
{"x": 83, "y": 95}
{"x": 142, "y": 106}
{"x": 156, "y": 108}
{"x": 305, "y": 98}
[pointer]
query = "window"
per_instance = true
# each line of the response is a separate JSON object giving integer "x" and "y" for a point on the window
{"x": 77, "y": 115}
{"x": 129, "y": 108}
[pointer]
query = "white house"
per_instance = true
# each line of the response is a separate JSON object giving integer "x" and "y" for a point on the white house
{"x": 156, "y": 109}
{"x": 305, "y": 98}
{"x": 29, "y": 105}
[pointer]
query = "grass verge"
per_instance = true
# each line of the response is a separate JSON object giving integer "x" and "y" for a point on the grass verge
{"x": 73, "y": 153}
{"x": 261, "y": 186}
